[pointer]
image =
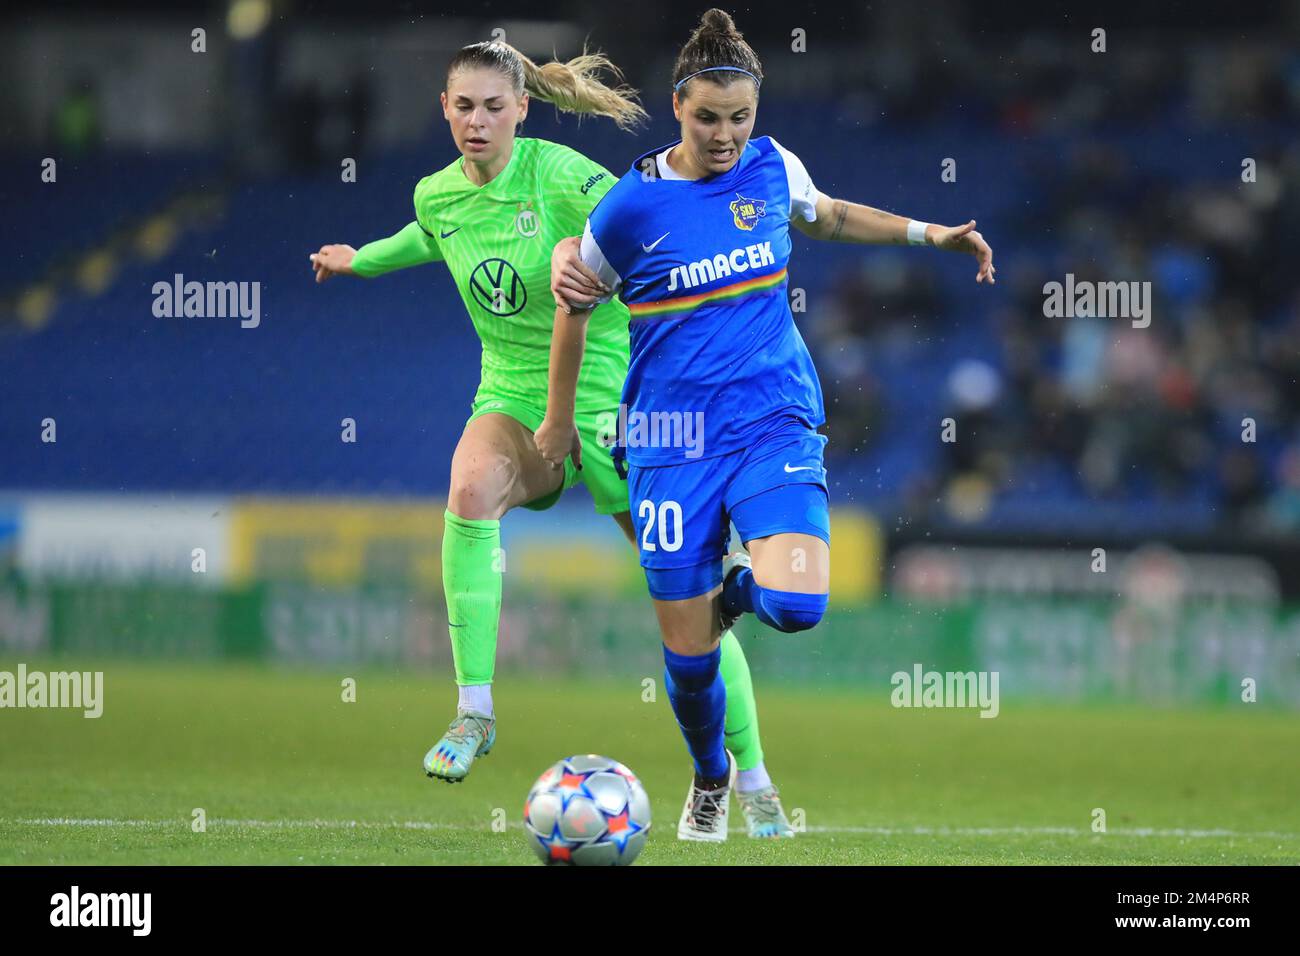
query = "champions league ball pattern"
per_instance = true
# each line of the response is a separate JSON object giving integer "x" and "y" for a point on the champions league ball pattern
{"x": 587, "y": 811}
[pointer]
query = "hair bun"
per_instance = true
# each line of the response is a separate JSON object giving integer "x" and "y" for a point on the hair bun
{"x": 717, "y": 21}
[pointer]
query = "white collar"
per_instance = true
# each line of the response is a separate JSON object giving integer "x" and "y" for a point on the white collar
{"x": 666, "y": 171}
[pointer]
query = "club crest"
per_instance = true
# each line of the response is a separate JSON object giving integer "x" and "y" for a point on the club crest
{"x": 747, "y": 212}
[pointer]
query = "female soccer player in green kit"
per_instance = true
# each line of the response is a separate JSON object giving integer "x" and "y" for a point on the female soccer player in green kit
{"x": 494, "y": 216}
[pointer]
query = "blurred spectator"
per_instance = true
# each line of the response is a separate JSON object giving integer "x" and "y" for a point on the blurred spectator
{"x": 1115, "y": 413}
{"x": 76, "y": 119}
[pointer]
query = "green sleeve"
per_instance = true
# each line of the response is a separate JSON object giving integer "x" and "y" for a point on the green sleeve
{"x": 410, "y": 247}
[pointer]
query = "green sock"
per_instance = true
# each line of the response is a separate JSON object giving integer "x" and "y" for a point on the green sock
{"x": 742, "y": 712}
{"x": 472, "y": 583}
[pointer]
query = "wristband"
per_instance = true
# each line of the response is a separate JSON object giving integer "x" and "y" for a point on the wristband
{"x": 916, "y": 232}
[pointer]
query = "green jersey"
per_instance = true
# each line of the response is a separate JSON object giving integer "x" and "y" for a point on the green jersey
{"x": 497, "y": 240}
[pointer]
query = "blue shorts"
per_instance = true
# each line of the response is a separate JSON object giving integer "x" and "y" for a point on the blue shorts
{"x": 684, "y": 512}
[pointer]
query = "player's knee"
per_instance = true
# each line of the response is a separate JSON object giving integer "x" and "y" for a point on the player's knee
{"x": 473, "y": 504}
{"x": 480, "y": 492}
{"x": 790, "y": 611}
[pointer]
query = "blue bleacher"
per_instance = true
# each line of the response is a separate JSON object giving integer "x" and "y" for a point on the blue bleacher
{"x": 202, "y": 405}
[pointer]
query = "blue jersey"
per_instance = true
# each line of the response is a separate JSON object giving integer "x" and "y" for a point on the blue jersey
{"x": 701, "y": 266}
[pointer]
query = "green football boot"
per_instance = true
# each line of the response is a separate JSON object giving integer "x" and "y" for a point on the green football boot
{"x": 763, "y": 813}
{"x": 470, "y": 735}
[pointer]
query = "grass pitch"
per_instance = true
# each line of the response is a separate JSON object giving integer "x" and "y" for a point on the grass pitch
{"x": 287, "y": 773}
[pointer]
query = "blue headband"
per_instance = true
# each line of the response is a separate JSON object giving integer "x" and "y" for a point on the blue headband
{"x": 678, "y": 85}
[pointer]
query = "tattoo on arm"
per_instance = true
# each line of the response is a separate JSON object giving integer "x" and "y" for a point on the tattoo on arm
{"x": 884, "y": 217}
{"x": 841, "y": 210}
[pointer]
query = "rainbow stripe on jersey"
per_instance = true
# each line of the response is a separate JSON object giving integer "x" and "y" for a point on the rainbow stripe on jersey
{"x": 688, "y": 303}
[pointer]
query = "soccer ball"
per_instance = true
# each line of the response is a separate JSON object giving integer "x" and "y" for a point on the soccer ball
{"x": 587, "y": 811}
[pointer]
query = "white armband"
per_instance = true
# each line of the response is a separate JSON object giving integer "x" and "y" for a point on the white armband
{"x": 916, "y": 232}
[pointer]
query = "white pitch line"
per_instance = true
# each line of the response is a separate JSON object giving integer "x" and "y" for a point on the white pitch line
{"x": 1057, "y": 831}
{"x": 247, "y": 824}
{"x": 317, "y": 824}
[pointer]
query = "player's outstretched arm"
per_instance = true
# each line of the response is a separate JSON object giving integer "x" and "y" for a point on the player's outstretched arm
{"x": 412, "y": 246}
{"x": 557, "y": 436}
{"x": 839, "y": 220}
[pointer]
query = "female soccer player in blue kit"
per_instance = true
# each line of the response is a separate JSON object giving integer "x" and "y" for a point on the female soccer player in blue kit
{"x": 695, "y": 240}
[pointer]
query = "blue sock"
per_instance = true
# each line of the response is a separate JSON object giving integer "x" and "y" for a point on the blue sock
{"x": 738, "y": 592}
{"x": 699, "y": 700}
{"x": 787, "y": 611}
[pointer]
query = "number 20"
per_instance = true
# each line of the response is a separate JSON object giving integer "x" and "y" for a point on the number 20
{"x": 667, "y": 542}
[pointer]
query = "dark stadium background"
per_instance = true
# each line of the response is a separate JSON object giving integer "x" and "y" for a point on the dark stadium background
{"x": 1074, "y": 434}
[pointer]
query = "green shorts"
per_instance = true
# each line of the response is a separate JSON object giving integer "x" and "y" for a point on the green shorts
{"x": 607, "y": 489}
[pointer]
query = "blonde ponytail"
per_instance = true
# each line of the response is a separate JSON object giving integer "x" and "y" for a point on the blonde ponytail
{"x": 574, "y": 86}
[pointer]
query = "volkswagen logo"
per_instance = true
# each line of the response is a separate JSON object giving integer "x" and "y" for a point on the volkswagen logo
{"x": 497, "y": 287}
